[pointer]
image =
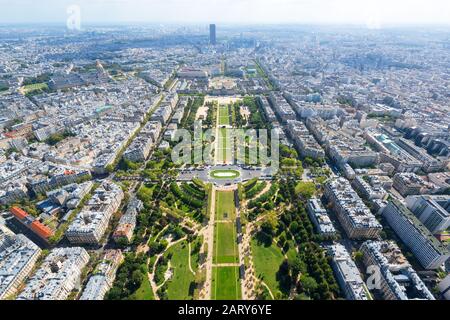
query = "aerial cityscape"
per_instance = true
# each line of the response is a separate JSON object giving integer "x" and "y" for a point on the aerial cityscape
{"x": 214, "y": 161}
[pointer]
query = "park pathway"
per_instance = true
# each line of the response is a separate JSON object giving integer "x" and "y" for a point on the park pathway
{"x": 151, "y": 275}
{"x": 208, "y": 233}
{"x": 190, "y": 265}
{"x": 224, "y": 265}
{"x": 268, "y": 289}
{"x": 263, "y": 191}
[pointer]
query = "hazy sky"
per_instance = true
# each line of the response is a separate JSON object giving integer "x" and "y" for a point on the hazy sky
{"x": 375, "y": 13}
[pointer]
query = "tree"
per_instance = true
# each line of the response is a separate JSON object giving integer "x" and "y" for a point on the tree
{"x": 178, "y": 232}
{"x": 294, "y": 227}
{"x": 283, "y": 276}
{"x": 269, "y": 227}
{"x": 122, "y": 242}
{"x": 114, "y": 294}
{"x": 287, "y": 152}
{"x": 136, "y": 278}
{"x": 308, "y": 285}
{"x": 305, "y": 189}
{"x": 145, "y": 194}
{"x": 264, "y": 238}
{"x": 282, "y": 239}
{"x": 358, "y": 256}
{"x": 129, "y": 165}
{"x": 297, "y": 267}
{"x": 156, "y": 248}
{"x": 302, "y": 296}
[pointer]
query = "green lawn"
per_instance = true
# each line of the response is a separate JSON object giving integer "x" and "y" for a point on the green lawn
{"x": 267, "y": 261}
{"x": 225, "y": 205}
{"x": 33, "y": 87}
{"x": 225, "y": 246}
{"x": 292, "y": 253}
{"x": 224, "y": 116}
{"x": 225, "y": 284}
{"x": 145, "y": 291}
{"x": 179, "y": 286}
{"x": 223, "y": 138}
{"x": 225, "y": 174}
{"x": 224, "y": 152}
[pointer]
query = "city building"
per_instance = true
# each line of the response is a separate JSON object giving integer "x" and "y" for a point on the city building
{"x": 391, "y": 152}
{"x": 281, "y": 107}
{"x": 59, "y": 274}
{"x": 429, "y": 163}
{"x": 64, "y": 177}
{"x": 444, "y": 287}
{"x": 432, "y": 211}
{"x": 91, "y": 223}
{"x": 18, "y": 256}
{"x": 212, "y": 34}
{"x": 265, "y": 106}
{"x": 354, "y": 216}
{"x": 320, "y": 218}
{"x": 127, "y": 222}
{"x": 369, "y": 187}
{"x": 103, "y": 276}
{"x": 192, "y": 73}
{"x": 304, "y": 142}
{"x": 408, "y": 184}
{"x": 397, "y": 279}
{"x": 430, "y": 253}
{"x": 347, "y": 274}
{"x": 162, "y": 114}
{"x": 37, "y": 227}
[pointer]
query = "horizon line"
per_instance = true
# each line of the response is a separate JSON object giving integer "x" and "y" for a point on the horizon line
{"x": 206, "y": 23}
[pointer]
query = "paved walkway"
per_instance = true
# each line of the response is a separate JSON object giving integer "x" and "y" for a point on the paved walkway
{"x": 268, "y": 289}
{"x": 248, "y": 284}
{"x": 208, "y": 234}
{"x": 226, "y": 265}
{"x": 266, "y": 189}
{"x": 242, "y": 254}
{"x": 189, "y": 261}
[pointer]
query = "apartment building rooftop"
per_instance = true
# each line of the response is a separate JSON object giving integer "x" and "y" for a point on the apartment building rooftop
{"x": 58, "y": 275}
{"x": 420, "y": 227}
{"x": 103, "y": 276}
{"x": 91, "y": 223}
{"x": 351, "y": 203}
{"x": 18, "y": 255}
{"x": 348, "y": 274}
{"x": 320, "y": 217}
{"x": 401, "y": 278}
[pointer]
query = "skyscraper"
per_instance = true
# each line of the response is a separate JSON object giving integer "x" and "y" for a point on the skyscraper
{"x": 212, "y": 34}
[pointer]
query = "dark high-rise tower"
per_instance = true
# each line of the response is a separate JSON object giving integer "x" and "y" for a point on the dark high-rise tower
{"x": 212, "y": 34}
